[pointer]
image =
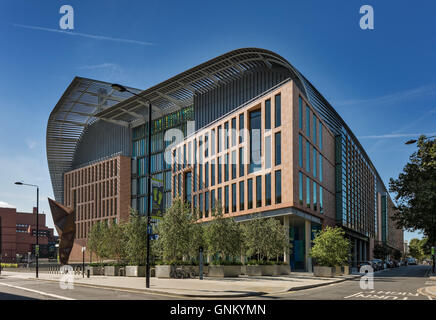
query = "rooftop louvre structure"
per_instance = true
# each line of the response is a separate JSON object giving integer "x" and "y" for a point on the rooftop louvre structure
{"x": 298, "y": 161}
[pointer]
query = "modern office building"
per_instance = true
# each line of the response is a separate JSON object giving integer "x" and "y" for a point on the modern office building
{"x": 246, "y": 129}
{"x": 18, "y": 235}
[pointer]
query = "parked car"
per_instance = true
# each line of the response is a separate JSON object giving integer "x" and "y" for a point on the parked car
{"x": 411, "y": 261}
{"x": 364, "y": 263}
{"x": 378, "y": 264}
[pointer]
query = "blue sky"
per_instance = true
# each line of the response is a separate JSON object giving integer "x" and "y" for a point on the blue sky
{"x": 380, "y": 81}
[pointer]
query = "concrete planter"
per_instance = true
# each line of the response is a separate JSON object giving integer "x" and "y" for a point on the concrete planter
{"x": 163, "y": 271}
{"x": 224, "y": 271}
{"x": 135, "y": 271}
{"x": 285, "y": 269}
{"x": 345, "y": 270}
{"x": 327, "y": 272}
{"x": 111, "y": 271}
{"x": 267, "y": 270}
{"x": 95, "y": 271}
{"x": 338, "y": 271}
{"x": 253, "y": 270}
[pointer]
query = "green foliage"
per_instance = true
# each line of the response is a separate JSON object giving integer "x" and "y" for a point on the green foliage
{"x": 223, "y": 236}
{"x": 97, "y": 240}
{"x": 179, "y": 236}
{"x": 330, "y": 248}
{"x": 264, "y": 238}
{"x": 136, "y": 239}
{"x": 9, "y": 265}
{"x": 116, "y": 239}
{"x": 418, "y": 249}
{"x": 415, "y": 191}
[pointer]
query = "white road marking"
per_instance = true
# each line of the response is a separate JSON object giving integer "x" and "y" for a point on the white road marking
{"x": 38, "y": 292}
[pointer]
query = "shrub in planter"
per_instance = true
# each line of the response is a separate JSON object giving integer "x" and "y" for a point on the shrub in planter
{"x": 253, "y": 268}
{"x": 135, "y": 271}
{"x": 221, "y": 268}
{"x": 112, "y": 270}
{"x": 322, "y": 271}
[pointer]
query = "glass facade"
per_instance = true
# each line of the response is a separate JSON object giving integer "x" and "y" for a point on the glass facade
{"x": 241, "y": 195}
{"x": 278, "y": 186}
{"x": 268, "y": 189}
{"x": 258, "y": 191}
{"x": 255, "y": 140}
{"x": 268, "y": 114}
{"x": 233, "y": 197}
{"x": 278, "y": 148}
{"x": 278, "y": 110}
{"x": 250, "y": 193}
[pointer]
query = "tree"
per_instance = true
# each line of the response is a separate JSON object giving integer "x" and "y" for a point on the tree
{"x": 179, "y": 235}
{"x": 97, "y": 240}
{"x": 223, "y": 235}
{"x": 415, "y": 191}
{"x": 419, "y": 249}
{"x": 380, "y": 251}
{"x": 330, "y": 248}
{"x": 115, "y": 241}
{"x": 136, "y": 238}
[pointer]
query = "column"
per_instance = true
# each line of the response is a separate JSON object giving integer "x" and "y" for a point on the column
{"x": 308, "y": 240}
{"x": 286, "y": 255}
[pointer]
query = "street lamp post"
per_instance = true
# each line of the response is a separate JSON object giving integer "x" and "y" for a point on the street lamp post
{"x": 121, "y": 88}
{"x": 83, "y": 261}
{"x": 37, "y": 222}
{"x": 433, "y": 227}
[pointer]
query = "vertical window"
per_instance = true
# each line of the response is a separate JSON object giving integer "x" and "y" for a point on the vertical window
{"x": 241, "y": 128}
{"x": 234, "y": 197}
{"x": 320, "y": 167}
{"x": 320, "y": 135}
{"x": 206, "y": 145}
{"x": 179, "y": 185}
{"x": 188, "y": 181}
{"x": 267, "y": 114}
{"x": 226, "y": 167}
{"x": 300, "y": 187}
{"x": 300, "y": 150}
{"x": 226, "y": 199}
{"x": 190, "y": 153}
{"x": 268, "y": 189}
{"x": 255, "y": 141}
{"x": 314, "y": 161}
{"x": 200, "y": 200}
{"x": 226, "y": 135}
{"x": 174, "y": 160}
{"x": 212, "y": 142}
{"x": 278, "y": 110}
{"x": 307, "y": 192}
{"x": 314, "y": 196}
{"x": 258, "y": 191}
{"x": 212, "y": 172}
{"x": 206, "y": 175}
{"x": 212, "y": 199}
{"x": 206, "y": 203}
{"x": 278, "y": 148}
{"x": 278, "y": 188}
{"x": 268, "y": 152}
{"x": 234, "y": 164}
{"x": 220, "y": 196}
{"x": 250, "y": 193}
{"x": 219, "y": 139}
{"x": 300, "y": 113}
{"x": 220, "y": 172}
{"x": 241, "y": 162}
{"x": 307, "y": 156}
{"x": 184, "y": 156}
{"x": 315, "y": 122}
{"x": 308, "y": 121}
{"x": 194, "y": 178}
{"x": 234, "y": 131}
{"x": 321, "y": 205}
{"x": 200, "y": 177}
{"x": 241, "y": 195}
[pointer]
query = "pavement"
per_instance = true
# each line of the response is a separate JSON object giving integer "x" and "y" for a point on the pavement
{"x": 243, "y": 286}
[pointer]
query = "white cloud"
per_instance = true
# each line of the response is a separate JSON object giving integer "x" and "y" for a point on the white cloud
{"x": 5, "y": 205}
{"x": 85, "y": 35}
{"x": 31, "y": 144}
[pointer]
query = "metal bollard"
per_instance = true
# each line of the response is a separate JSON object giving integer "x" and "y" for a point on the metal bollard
{"x": 88, "y": 273}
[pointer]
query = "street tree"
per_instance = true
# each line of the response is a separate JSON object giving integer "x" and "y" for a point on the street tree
{"x": 330, "y": 247}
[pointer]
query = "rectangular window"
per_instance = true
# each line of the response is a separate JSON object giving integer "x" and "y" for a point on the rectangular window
{"x": 200, "y": 200}
{"x": 226, "y": 136}
{"x": 255, "y": 141}
{"x": 321, "y": 205}
{"x": 278, "y": 148}
{"x": 314, "y": 196}
{"x": 212, "y": 172}
{"x": 234, "y": 131}
{"x": 179, "y": 185}
{"x": 188, "y": 181}
{"x": 234, "y": 197}
{"x": 250, "y": 193}
{"x": 190, "y": 153}
{"x": 241, "y": 162}
{"x": 212, "y": 142}
{"x": 200, "y": 177}
{"x": 278, "y": 110}
{"x": 320, "y": 168}
{"x": 206, "y": 175}
{"x": 206, "y": 145}
{"x": 300, "y": 150}
{"x": 212, "y": 199}
{"x": 220, "y": 196}
{"x": 219, "y": 138}
{"x": 267, "y": 114}
{"x": 220, "y": 168}
{"x": 268, "y": 189}
{"x": 226, "y": 167}
{"x": 307, "y": 192}
{"x": 241, "y": 195}
{"x": 300, "y": 187}
{"x": 308, "y": 121}
{"x": 206, "y": 203}
{"x": 320, "y": 135}
{"x": 307, "y": 156}
{"x": 194, "y": 178}
{"x": 268, "y": 152}
{"x": 241, "y": 128}
{"x": 226, "y": 199}
{"x": 314, "y": 161}
{"x": 258, "y": 191}
{"x": 300, "y": 113}
{"x": 234, "y": 164}
{"x": 278, "y": 188}
{"x": 314, "y": 129}
{"x": 184, "y": 156}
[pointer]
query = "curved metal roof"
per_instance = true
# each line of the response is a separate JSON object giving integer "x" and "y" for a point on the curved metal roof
{"x": 75, "y": 110}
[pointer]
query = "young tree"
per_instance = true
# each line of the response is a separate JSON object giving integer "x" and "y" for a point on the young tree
{"x": 136, "y": 238}
{"x": 116, "y": 240}
{"x": 330, "y": 248}
{"x": 223, "y": 235}
{"x": 97, "y": 240}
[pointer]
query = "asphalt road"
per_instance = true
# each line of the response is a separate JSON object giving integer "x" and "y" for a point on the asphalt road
{"x": 391, "y": 284}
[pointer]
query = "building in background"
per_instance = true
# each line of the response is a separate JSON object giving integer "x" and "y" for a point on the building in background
{"x": 18, "y": 235}
{"x": 297, "y": 161}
